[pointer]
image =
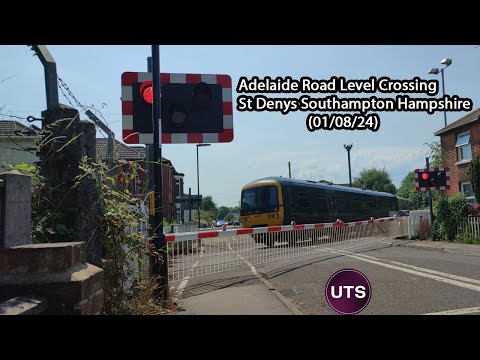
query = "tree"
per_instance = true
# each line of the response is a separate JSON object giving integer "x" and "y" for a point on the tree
{"x": 474, "y": 176}
{"x": 208, "y": 204}
{"x": 223, "y": 212}
{"x": 407, "y": 191}
{"x": 375, "y": 179}
{"x": 435, "y": 156}
{"x": 230, "y": 217}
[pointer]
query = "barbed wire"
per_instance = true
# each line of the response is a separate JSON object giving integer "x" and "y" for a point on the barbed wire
{"x": 63, "y": 85}
{"x": 14, "y": 116}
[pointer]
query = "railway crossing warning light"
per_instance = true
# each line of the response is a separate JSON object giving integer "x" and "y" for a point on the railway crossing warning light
{"x": 432, "y": 179}
{"x": 195, "y": 108}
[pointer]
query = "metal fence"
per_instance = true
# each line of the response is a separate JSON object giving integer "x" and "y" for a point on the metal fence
{"x": 2, "y": 212}
{"x": 208, "y": 252}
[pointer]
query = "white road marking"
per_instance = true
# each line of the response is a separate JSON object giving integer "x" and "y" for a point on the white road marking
{"x": 282, "y": 298}
{"x": 410, "y": 271}
{"x": 457, "y": 311}
{"x": 182, "y": 286}
{"x": 184, "y": 282}
{"x": 447, "y": 275}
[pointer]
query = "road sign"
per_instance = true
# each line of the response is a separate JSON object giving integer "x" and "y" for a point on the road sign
{"x": 432, "y": 179}
{"x": 196, "y": 108}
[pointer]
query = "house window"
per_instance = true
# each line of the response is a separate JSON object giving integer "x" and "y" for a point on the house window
{"x": 464, "y": 147}
{"x": 466, "y": 189}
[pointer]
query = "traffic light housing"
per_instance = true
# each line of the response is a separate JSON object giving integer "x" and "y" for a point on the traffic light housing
{"x": 195, "y": 108}
{"x": 432, "y": 179}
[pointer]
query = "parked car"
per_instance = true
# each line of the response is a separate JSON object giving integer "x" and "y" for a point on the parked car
{"x": 220, "y": 223}
{"x": 237, "y": 223}
{"x": 403, "y": 212}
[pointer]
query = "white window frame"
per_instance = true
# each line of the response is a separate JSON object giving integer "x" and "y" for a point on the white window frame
{"x": 470, "y": 199}
{"x": 462, "y": 145}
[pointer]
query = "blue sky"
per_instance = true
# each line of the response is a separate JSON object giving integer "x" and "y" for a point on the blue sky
{"x": 264, "y": 142}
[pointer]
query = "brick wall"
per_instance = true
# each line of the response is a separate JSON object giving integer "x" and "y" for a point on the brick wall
{"x": 459, "y": 172}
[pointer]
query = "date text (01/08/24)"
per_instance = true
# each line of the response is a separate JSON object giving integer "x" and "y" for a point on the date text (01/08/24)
{"x": 343, "y": 122}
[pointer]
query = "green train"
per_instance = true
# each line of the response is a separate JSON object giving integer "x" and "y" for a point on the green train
{"x": 279, "y": 201}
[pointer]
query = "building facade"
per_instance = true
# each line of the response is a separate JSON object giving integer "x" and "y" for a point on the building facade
{"x": 460, "y": 143}
{"x": 18, "y": 145}
{"x": 141, "y": 183}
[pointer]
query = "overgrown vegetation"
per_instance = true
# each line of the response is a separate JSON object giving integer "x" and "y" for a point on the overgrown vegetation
{"x": 467, "y": 239}
{"x": 448, "y": 213}
{"x": 122, "y": 225}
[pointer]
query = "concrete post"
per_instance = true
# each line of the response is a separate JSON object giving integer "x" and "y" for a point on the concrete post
{"x": 65, "y": 141}
{"x": 16, "y": 210}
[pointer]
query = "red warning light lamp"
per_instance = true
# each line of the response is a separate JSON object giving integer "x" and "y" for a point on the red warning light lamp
{"x": 425, "y": 176}
{"x": 146, "y": 90}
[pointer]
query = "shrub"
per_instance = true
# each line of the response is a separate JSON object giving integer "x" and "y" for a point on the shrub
{"x": 448, "y": 213}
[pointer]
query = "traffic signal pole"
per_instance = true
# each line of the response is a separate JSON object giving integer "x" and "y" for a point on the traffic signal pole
{"x": 430, "y": 203}
{"x": 160, "y": 264}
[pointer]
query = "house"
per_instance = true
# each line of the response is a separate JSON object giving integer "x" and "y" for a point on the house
{"x": 18, "y": 144}
{"x": 460, "y": 142}
{"x": 171, "y": 179}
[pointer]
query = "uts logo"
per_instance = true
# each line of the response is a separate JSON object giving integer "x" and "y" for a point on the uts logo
{"x": 348, "y": 291}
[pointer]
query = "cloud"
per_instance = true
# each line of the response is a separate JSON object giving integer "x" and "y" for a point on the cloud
{"x": 397, "y": 160}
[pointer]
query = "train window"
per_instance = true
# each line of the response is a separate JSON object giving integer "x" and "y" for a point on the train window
{"x": 259, "y": 200}
{"x": 304, "y": 201}
{"x": 321, "y": 201}
{"x": 249, "y": 201}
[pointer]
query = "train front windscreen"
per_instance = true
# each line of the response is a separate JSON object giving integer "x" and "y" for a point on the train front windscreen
{"x": 259, "y": 200}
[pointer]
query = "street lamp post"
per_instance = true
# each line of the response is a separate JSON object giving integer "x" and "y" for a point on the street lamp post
{"x": 348, "y": 148}
{"x": 198, "y": 185}
{"x": 447, "y": 62}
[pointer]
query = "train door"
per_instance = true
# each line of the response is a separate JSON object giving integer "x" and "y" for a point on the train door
{"x": 332, "y": 208}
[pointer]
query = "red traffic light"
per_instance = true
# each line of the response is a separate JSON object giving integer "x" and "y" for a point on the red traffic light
{"x": 146, "y": 90}
{"x": 425, "y": 176}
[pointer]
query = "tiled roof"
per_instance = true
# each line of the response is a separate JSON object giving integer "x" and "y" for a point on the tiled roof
{"x": 143, "y": 150}
{"x": 465, "y": 120}
{"x": 12, "y": 128}
{"x": 122, "y": 151}
{"x": 140, "y": 149}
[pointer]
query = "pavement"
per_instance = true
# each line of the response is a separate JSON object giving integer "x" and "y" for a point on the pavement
{"x": 456, "y": 248}
{"x": 254, "y": 294}
{"x": 254, "y": 299}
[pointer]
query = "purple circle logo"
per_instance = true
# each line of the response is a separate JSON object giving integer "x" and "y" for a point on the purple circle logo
{"x": 348, "y": 291}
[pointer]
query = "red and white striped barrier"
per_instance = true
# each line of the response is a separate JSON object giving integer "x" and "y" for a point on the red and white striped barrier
{"x": 262, "y": 230}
